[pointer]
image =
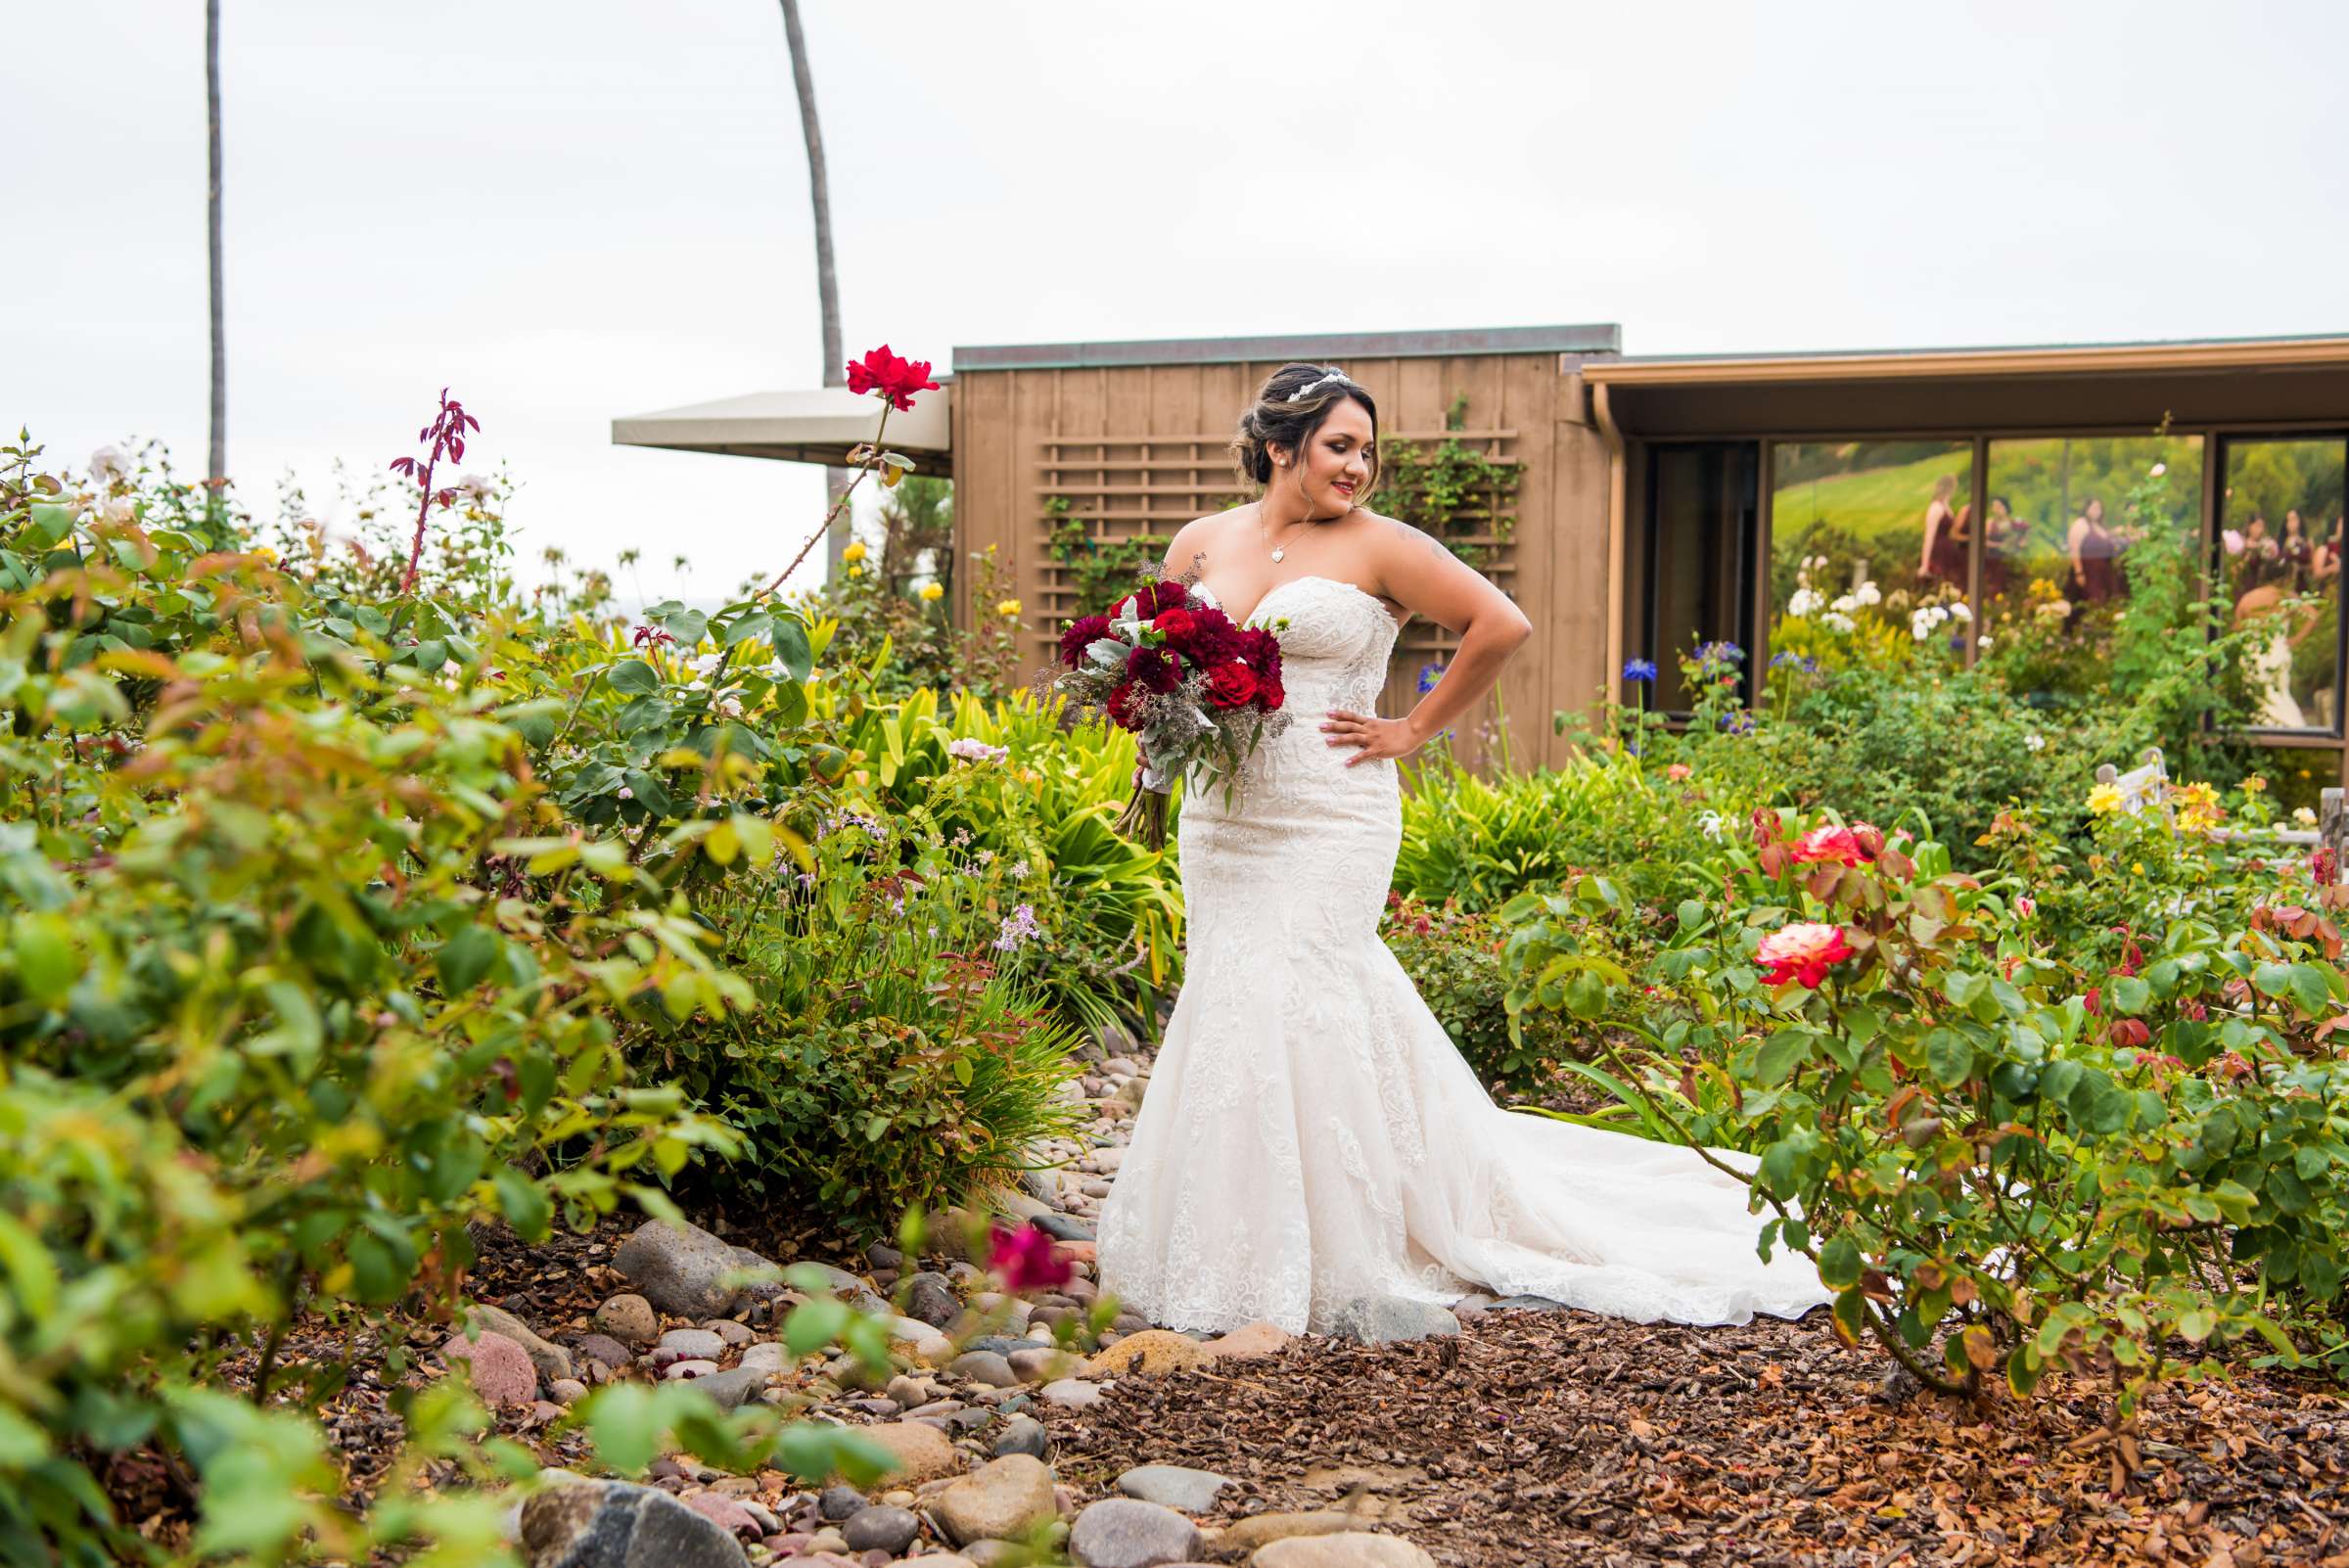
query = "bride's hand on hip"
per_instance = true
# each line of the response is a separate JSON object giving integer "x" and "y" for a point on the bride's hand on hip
{"x": 1374, "y": 737}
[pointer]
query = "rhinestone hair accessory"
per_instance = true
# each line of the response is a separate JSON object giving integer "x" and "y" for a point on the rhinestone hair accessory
{"x": 1303, "y": 393}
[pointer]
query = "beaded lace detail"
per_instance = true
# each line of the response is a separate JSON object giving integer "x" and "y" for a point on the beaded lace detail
{"x": 1310, "y": 1138}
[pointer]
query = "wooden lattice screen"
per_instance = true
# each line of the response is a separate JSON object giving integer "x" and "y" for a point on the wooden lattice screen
{"x": 1119, "y": 486}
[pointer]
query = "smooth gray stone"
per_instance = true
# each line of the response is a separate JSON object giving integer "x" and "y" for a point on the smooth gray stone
{"x": 1063, "y": 1227}
{"x": 1525, "y": 1304}
{"x": 613, "y": 1524}
{"x": 1383, "y": 1320}
{"x": 983, "y": 1367}
{"x": 836, "y": 1504}
{"x": 929, "y": 1299}
{"x": 1173, "y": 1486}
{"x": 735, "y": 1388}
{"x": 1022, "y": 1434}
{"x": 1128, "y": 1533}
{"x": 881, "y": 1529}
{"x": 679, "y": 1268}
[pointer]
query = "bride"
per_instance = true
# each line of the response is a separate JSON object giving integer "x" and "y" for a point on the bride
{"x": 1313, "y": 1151}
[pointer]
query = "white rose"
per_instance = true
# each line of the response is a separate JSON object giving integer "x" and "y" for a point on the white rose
{"x": 118, "y": 509}
{"x": 108, "y": 465}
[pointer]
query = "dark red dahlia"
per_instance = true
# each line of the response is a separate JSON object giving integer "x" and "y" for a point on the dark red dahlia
{"x": 1155, "y": 668}
{"x": 1080, "y": 636}
{"x": 1170, "y": 596}
{"x": 1124, "y": 705}
{"x": 1270, "y": 693}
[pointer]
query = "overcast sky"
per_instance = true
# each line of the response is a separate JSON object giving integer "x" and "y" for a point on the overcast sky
{"x": 568, "y": 211}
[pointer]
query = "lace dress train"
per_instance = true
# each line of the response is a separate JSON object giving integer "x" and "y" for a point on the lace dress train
{"x": 1311, "y": 1139}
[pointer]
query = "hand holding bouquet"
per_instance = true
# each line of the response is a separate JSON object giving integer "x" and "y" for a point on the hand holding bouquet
{"x": 1197, "y": 691}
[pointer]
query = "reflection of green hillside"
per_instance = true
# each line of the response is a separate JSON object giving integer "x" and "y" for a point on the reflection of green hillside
{"x": 1868, "y": 504}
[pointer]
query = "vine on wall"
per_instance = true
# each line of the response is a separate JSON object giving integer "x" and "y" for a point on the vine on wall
{"x": 1450, "y": 489}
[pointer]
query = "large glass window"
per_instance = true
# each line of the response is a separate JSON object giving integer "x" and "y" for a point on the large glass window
{"x": 1700, "y": 568}
{"x": 1868, "y": 550}
{"x": 2076, "y": 531}
{"x": 2278, "y": 571}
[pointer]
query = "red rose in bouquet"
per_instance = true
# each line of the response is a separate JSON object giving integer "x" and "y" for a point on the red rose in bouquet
{"x": 1198, "y": 692}
{"x": 1232, "y": 684}
{"x": 1178, "y": 626}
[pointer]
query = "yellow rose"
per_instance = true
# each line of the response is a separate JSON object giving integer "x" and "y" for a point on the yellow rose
{"x": 1008, "y": 608}
{"x": 931, "y": 590}
{"x": 855, "y": 570}
{"x": 2105, "y": 800}
{"x": 2136, "y": 868}
{"x": 854, "y": 551}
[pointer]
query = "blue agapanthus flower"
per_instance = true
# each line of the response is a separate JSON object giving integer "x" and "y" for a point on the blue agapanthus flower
{"x": 1740, "y": 723}
{"x": 1429, "y": 674}
{"x": 1639, "y": 670}
{"x": 1722, "y": 652}
{"x": 1802, "y": 662}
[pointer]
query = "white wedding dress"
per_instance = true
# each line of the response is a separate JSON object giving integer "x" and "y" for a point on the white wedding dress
{"x": 1312, "y": 1140}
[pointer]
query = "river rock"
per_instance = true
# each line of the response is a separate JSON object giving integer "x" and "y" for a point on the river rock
{"x": 629, "y": 1317}
{"x": 551, "y": 1360}
{"x": 612, "y": 1524}
{"x": 724, "y": 1512}
{"x": 1259, "y": 1529}
{"x": 1156, "y": 1349}
{"x": 983, "y": 1367}
{"x": 1346, "y": 1549}
{"x": 1126, "y": 1533}
{"x": 922, "y": 1450}
{"x": 1062, "y": 1227}
{"x": 881, "y": 1529}
{"x": 1250, "y": 1341}
{"x": 1022, "y": 1434}
{"x": 767, "y": 1356}
{"x": 502, "y": 1374}
{"x": 930, "y": 1298}
{"x": 929, "y": 1345}
{"x": 1525, "y": 1304}
{"x": 605, "y": 1349}
{"x": 692, "y": 1344}
{"x": 734, "y": 1389}
{"x": 1071, "y": 1394}
{"x": 1173, "y": 1486}
{"x": 682, "y": 1268}
{"x": 1383, "y": 1320}
{"x": 1041, "y": 1363}
{"x": 1001, "y": 1498}
{"x": 690, "y": 1369}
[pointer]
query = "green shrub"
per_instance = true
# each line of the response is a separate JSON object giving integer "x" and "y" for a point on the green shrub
{"x": 1454, "y": 957}
{"x": 2033, "y": 1161}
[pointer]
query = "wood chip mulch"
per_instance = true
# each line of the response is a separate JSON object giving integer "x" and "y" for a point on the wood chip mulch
{"x": 1561, "y": 1438}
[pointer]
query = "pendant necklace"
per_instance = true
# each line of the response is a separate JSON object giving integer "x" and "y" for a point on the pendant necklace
{"x": 1279, "y": 551}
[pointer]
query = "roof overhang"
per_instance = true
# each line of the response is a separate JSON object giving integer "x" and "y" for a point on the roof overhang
{"x": 1592, "y": 337}
{"x": 2081, "y": 387}
{"x": 813, "y": 426}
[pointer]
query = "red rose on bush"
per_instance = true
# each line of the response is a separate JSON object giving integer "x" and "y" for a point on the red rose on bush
{"x": 894, "y": 379}
{"x": 1230, "y": 684}
{"x": 1155, "y": 668}
{"x": 1082, "y": 634}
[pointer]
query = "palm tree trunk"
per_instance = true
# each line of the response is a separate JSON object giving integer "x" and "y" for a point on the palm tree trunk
{"x": 827, "y": 284}
{"x": 216, "y": 468}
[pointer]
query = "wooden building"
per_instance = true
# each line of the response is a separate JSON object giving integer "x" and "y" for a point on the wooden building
{"x": 1634, "y": 506}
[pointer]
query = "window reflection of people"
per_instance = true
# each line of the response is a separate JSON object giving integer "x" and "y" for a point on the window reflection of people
{"x": 2094, "y": 549}
{"x": 1943, "y": 559}
{"x": 2326, "y": 563}
{"x": 2296, "y": 549}
{"x": 2005, "y": 537}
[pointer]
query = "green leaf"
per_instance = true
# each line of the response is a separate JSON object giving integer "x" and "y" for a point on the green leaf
{"x": 2131, "y": 994}
{"x": 790, "y": 641}
{"x": 634, "y": 676}
{"x": 46, "y": 963}
{"x": 51, "y": 522}
{"x": 1839, "y": 1264}
{"x": 1949, "y": 1056}
{"x": 523, "y": 1203}
{"x": 814, "y": 1325}
{"x": 1779, "y": 1055}
{"x": 622, "y": 1422}
{"x": 465, "y": 958}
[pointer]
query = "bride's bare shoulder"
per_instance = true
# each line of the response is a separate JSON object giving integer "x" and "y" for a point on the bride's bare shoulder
{"x": 1198, "y": 536}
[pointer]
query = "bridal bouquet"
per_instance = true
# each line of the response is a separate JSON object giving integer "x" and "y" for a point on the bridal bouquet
{"x": 1197, "y": 690}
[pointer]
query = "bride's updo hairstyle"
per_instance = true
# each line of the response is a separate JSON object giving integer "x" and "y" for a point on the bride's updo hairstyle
{"x": 1280, "y": 417}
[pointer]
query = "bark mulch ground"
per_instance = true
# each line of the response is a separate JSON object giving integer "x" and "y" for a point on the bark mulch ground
{"x": 1541, "y": 1439}
{"x": 1566, "y": 1439}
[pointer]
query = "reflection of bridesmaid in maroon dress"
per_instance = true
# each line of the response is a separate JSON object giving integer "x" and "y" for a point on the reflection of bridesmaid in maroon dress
{"x": 1944, "y": 556}
{"x": 2096, "y": 571}
{"x": 2002, "y": 547}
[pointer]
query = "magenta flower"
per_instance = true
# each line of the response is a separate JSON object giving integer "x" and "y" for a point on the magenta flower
{"x": 1026, "y": 1259}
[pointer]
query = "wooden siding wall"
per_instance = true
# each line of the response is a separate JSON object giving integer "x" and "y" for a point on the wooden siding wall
{"x": 1141, "y": 448}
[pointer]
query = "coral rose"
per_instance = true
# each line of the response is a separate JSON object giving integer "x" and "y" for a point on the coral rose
{"x": 1829, "y": 845}
{"x": 1802, "y": 951}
